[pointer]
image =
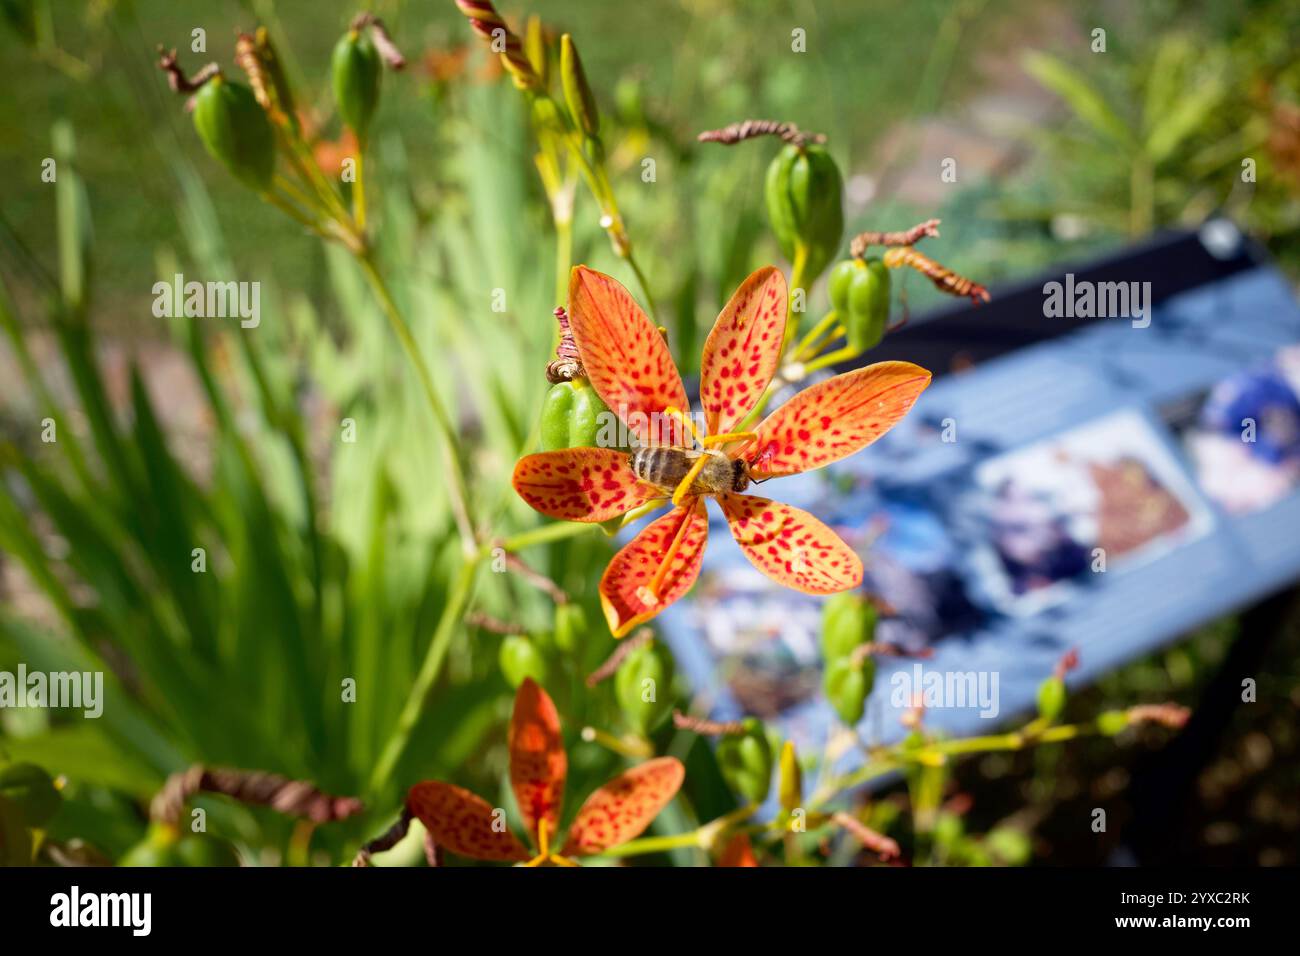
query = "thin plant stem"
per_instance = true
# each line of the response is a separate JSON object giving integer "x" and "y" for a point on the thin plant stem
{"x": 831, "y": 358}
{"x": 805, "y": 344}
{"x": 458, "y": 486}
{"x": 359, "y": 194}
{"x": 417, "y": 699}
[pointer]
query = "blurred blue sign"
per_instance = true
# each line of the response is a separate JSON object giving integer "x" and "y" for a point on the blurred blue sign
{"x": 1090, "y": 482}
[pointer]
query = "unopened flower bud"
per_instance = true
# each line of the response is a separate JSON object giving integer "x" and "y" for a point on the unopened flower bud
{"x": 577, "y": 93}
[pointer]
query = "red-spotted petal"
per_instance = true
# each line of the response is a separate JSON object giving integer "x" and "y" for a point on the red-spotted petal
{"x": 835, "y": 418}
{"x": 580, "y": 484}
{"x": 742, "y": 351}
{"x": 626, "y": 358}
{"x": 655, "y": 568}
{"x": 463, "y": 822}
{"x": 790, "y": 546}
{"x": 538, "y": 764}
{"x": 738, "y": 852}
{"x": 621, "y": 809}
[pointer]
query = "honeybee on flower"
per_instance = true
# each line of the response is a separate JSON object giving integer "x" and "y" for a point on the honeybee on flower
{"x": 627, "y": 363}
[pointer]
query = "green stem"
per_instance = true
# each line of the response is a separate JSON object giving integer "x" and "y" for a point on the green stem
{"x": 797, "y": 280}
{"x": 459, "y": 487}
{"x": 563, "y": 259}
{"x": 359, "y": 195}
{"x": 804, "y": 345}
{"x": 831, "y": 358}
{"x": 417, "y": 700}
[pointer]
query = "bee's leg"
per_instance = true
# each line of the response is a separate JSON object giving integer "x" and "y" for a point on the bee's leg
{"x": 728, "y": 438}
{"x": 684, "y": 486}
{"x": 672, "y": 411}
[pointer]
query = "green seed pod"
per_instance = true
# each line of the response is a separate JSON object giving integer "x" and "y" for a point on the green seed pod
{"x": 357, "y": 71}
{"x": 746, "y": 761}
{"x": 847, "y": 684}
{"x": 1051, "y": 698}
{"x": 868, "y": 305}
{"x": 577, "y": 93}
{"x": 1111, "y": 722}
{"x": 642, "y": 686}
{"x": 572, "y": 416}
{"x": 235, "y": 131}
{"x": 790, "y": 784}
{"x": 519, "y": 658}
{"x": 32, "y": 791}
{"x": 848, "y": 620}
{"x": 804, "y": 206}
{"x": 842, "y": 276}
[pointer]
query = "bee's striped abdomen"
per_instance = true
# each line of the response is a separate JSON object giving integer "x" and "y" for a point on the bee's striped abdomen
{"x": 660, "y": 466}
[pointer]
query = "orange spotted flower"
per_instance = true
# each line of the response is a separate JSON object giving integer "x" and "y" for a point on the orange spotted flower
{"x": 628, "y": 364}
{"x": 466, "y": 824}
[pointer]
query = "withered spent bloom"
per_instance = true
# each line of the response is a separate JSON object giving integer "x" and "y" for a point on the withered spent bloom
{"x": 906, "y": 237}
{"x": 298, "y": 798}
{"x": 176, "y": 77}
{"x": 567, "y": 365}
{"x": 751, "y": 129}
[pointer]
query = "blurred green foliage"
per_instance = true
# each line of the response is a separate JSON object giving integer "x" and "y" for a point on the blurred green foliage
{"x": 311, "y": 482}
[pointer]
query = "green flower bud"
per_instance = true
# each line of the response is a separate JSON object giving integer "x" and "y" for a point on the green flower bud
{"x": 804, "y": 206}
{"x": 790, "y": 783}
{"x": 948, "y": 829}
{"x": 235, "y": 131}
{"x": 577, "y": 93}
{"x": 357, "y": 71}
{"x": 572, "y": 416}
{"x": 1051, "y": 698}
{"x": 1012, "y": 847}
{"x": 32, "y": 791}
{"x": 535, "y": 49}
{"x": 1111, "y": 722}
{"x": 570, "y": 626}
{"x": 746, "y": 761}
{"x": 519, "y": 658}
{"x": 642, "y": 686}
{"x": 847, "y": 683}
{"x": 848, "y": 620}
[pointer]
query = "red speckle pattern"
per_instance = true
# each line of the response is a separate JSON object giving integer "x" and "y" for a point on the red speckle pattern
{"x": 625, "y": 587}
{"x": 461, "y": 822}
{"x": 835, "y": 418}
{"x": 742, "y": 352}
{"x": 790, "y": 546}
{"x": 626, "y": 358}
{"x": 621, "y": 809}
{"x": 538, "y": 765}
{"x": 580, "y": 484}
